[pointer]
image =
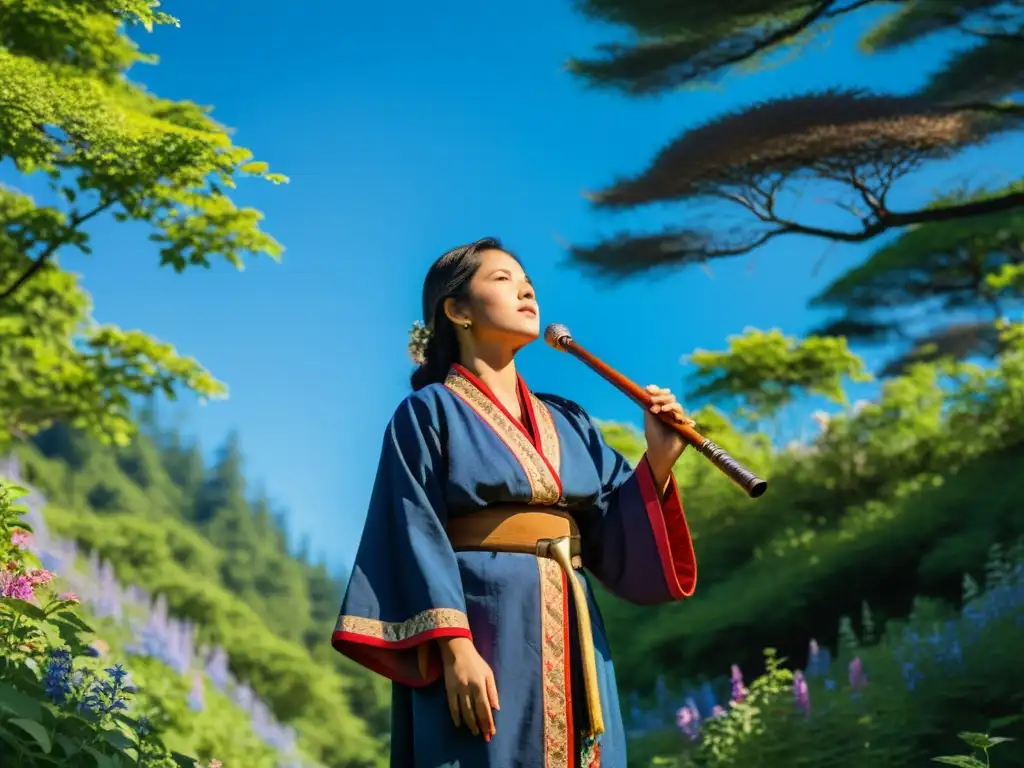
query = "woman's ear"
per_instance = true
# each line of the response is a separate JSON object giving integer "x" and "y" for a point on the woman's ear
{"x": 455, "y": 312}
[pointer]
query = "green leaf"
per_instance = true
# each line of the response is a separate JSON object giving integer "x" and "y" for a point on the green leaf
{"x": 75, "y": 621}
{"x": 117, "y": 739}
{"x": 69, "y": 745}
{"x": 963, "y": 761}
{"x": 14, "y": 492}
{"x": 183, "y": 761}
{"x": 36, "y": 731}
{"x": 976, "y": 740}
{"x": 23, "y": 608}
{"x": 18, "y": 703}
{"x": 103, "y": 761}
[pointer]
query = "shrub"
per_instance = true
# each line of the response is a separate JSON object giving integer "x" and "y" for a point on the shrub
{"x": 892, "y": 703}
{"x": 56, "y": 707}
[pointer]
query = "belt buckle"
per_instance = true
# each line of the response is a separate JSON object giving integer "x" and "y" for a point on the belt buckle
{"x": 544, "y": 547}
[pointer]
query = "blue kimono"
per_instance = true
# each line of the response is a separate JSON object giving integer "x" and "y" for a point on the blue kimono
{"x": 449, "y": 450}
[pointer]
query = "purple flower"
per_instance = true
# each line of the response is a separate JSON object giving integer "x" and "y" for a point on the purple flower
{"x": 801, "y": 695}
{"x": 739, "y": 693}
{"x": 195, "y": 696}
{"x": 858, "y": 679}
{"x": 21, "y": 539}
{"x": 688, "y": 720}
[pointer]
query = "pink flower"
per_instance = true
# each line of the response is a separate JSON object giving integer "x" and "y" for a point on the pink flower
{"x": 21, "y": 539}
{"x": 70, "y": 597}
{"x": 18, "y": 587}
{"x": 739, "y": 691}
{"x": 40, "y": 576}
{"x": 801, "y": 694}
{"x": 215, "y": 764}
{"x": 857, "y": 677}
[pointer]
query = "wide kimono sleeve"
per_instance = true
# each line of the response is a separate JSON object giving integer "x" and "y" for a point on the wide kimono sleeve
{"x": 405, "y": 590}
{"x": 636, "y": 541}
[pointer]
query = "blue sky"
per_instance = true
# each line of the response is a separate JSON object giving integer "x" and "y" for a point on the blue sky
{"x": 407, "y": 128}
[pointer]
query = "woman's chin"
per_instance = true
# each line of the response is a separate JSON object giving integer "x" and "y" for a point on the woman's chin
{"x": 531, "y": 330}
{"x": 524, "y": 333}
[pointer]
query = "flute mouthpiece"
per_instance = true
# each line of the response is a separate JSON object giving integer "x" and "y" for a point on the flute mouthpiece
{"x": 557, "y": 335}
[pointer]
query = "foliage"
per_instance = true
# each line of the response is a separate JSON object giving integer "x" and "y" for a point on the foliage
{"x": 767, "y": 371}
{"x": 908, "y": 289}
{"x": 55, "y": 709}
{"x": 222, "y": 562}
{"x": 872, "y": 506}
{"x": 852, "y": 147}
{"x": 901, "y": 697}
{"x": 674, "y": 46}
{"x": 106, "y": 147}
{"x": 980, "y": 742}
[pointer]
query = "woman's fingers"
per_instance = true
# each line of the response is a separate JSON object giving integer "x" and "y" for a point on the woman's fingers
{"x": 453, "y": 708}
{"x": 661, "y": 398}
{"x": 484, "y": 715}
{"x": 468, "y": 715}
{"x": 492, "y": 692}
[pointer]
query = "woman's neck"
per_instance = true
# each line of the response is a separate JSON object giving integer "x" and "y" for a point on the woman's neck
{"x": 497, "y": 369}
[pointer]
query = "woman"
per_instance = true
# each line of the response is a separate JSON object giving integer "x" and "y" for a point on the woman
{"x": 488, "y": 499}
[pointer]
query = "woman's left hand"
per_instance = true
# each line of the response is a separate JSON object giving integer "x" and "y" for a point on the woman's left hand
{"x": 664, "y": 444}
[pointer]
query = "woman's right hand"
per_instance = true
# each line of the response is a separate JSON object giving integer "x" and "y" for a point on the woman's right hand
{"x": 469, "y": 683}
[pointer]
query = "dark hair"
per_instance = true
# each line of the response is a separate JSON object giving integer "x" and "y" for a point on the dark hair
{"x": 448, "y": 277}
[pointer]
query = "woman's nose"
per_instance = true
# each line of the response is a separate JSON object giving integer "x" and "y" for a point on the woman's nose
{"x": 526, "y": 292}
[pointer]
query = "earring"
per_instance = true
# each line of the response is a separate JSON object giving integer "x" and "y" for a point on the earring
{"x": 466, "y": 325}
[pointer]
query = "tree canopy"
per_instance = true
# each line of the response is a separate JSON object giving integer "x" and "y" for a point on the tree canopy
{"x": 858, "y": 144}
{"x": 765, "y": 370}
{"x": 938, "y": 287}
{"x": 106, "y": 147}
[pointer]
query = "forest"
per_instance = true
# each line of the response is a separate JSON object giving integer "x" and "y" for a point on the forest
{"x": 869, "y": 610}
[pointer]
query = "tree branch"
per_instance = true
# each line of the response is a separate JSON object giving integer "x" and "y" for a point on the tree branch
{"x": 887, "y": 221}
{"x": 627, "y": 254}
{"x": 1011, "y": 109}
{"x": 782, "y": 34}
{"x": 663, "y": 60}
{"x": 44, "y": 257}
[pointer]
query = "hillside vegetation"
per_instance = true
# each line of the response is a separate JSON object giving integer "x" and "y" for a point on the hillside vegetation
{"x": 190, "y": 535}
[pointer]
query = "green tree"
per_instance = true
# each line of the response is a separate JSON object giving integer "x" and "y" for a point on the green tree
{"x": 852, "y": 145}
{"x": 764, "y": 371}
{"x": 937, "y": 287}
{"x": 106, "y": 147}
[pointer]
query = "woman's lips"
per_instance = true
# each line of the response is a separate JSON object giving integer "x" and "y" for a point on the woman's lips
{"x": 529, "y": 311}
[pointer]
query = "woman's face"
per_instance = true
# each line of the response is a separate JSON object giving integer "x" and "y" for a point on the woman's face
{"x": 502, "y": 304}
